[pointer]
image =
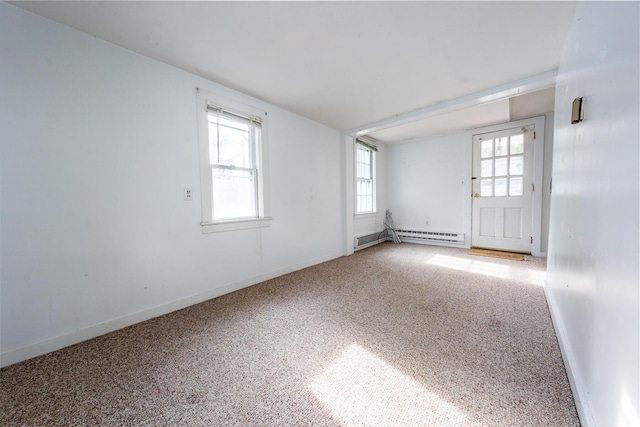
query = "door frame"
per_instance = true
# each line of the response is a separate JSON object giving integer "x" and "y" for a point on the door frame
{"x": 538, "y": 169}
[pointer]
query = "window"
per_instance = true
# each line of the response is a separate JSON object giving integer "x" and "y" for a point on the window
{"x": 232, "y": 164}
{"x": 365, "y": 178}
{"x": 233, "y": 152}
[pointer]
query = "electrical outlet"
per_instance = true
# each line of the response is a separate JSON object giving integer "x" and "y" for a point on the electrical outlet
{"x": 188, "y": 194}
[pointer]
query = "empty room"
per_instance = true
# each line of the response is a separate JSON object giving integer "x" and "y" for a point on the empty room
{"x": 319, "y": 213}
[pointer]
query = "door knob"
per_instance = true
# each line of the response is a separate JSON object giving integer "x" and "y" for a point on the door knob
{"x": 476, "y": 195}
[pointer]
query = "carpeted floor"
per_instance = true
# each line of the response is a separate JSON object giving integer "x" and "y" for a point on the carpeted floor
{"x": 395, "y": 335}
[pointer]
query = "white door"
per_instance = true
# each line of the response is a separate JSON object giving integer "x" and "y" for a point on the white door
{"x": 502, "y": 190}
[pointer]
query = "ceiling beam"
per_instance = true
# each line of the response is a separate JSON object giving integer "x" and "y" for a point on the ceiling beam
{"x": 508, "y": 90}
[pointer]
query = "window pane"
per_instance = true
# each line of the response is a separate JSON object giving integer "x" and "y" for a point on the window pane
{"x": 515, "y": 186}
{"x": 364, "y": 199}
{"x": 516, "y": 165}
{"x": 486, "y": 188}
{"x": 501, "y": 187}
{"x": 486, "y": 168}
{"x": 234, "y": 147}
{"x": 501, "y": 167}
{"x": 230, "y": 143}
{"x": 234, "y": 194}
{"x": 486, "y": 149}
{"x": 359, "y": 157}
{"x": 501, "y": 146}
{"x": 365, "y": 204}
{"x": 366, "y": 171}
{"x": 517, "y": 144}
{"x": 363, "y": 163}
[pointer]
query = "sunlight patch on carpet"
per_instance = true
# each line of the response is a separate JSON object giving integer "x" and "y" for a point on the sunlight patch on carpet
{"x": 360, "y": 389}
{"x": 485, "y": 268}
{"x": 471, "y": 266}
{"x": 537, "y": 277}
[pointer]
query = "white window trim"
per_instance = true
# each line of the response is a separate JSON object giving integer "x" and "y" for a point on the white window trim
{"x": 366, "y": 215}
{"x": 374, "y": 179}
{"x": 204, "y": 99}
{"x": 239, "y": 224}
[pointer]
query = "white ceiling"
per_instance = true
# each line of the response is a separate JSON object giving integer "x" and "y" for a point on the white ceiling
{"x": 343, "y": 64}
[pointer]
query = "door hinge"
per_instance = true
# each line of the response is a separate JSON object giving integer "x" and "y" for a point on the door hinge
{"x": 533, "y": 188}
{"x": 534, "y": 135}
{"x": 531, "y": 240}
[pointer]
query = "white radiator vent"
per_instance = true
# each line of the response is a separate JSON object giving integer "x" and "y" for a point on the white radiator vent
{"x": 434, "y": 237}
{"x": 367, "y": 240}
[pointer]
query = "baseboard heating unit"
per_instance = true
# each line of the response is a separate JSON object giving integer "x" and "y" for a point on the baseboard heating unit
{"x": 431, "y": 237}
{"x": 367, "y": 240}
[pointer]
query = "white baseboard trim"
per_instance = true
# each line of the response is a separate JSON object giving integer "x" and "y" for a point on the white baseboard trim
{"x": 580, "y": 395}
{"x": 30, "y": 351}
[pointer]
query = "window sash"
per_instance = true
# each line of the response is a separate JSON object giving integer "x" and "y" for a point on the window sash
{"x": 234, "y": 199}
{"x": 364, "y": 196}
{"x": 364, "y": 162}
{"x": 222, "y": 130}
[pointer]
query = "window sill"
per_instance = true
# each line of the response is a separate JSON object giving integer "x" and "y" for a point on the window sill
{"x": 238, "y": 224}
{"x": 365, "y": 215}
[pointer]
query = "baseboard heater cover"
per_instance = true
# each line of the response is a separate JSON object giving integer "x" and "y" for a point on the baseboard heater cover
{"x": 367, "y": 240}
{"x": 433, "y": 237}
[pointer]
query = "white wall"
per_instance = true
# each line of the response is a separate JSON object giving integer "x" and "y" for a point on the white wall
{"x": 429, "y": 180}
{"x": 592, "y": 279}
{"x": 97, "y": 145}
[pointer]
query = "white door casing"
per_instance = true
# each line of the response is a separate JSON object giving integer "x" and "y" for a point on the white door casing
{"x": 502, "y": 204}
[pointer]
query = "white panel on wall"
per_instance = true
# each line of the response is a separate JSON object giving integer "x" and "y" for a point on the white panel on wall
{"x": 98, "y": 144}
{"x": 592, "y": 280}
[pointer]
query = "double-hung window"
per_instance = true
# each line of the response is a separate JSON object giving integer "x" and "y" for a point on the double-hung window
{"x": 232, "y": 164}
{"x": 365, "y": 178}
{"x": 233, "y": 155}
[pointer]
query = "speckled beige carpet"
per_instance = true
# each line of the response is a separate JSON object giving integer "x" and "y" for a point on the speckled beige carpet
{"x": 395, "y": 335}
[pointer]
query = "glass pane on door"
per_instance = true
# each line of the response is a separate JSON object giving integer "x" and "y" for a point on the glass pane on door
{"x": 517, "y": 144}
{"x": 486, "y": 188}
{"x": 501, "y": 187}
{"x": 486, "y": 168}
{"x": 515, "y": 186}
{"x": 502, "y": 147}
{"x": 486, "y": 149}
{"x": 516, "y": 165}
{"x": 501, "y": 167}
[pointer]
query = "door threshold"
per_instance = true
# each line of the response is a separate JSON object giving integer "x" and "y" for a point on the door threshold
{"x": 496, "y": 254}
